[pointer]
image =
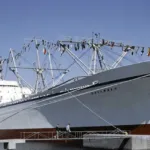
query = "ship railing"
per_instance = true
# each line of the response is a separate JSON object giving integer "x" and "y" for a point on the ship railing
{"x": 61, "y": 135}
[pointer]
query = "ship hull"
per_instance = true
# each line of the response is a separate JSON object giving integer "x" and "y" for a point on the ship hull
{"x": 122, "y": 98}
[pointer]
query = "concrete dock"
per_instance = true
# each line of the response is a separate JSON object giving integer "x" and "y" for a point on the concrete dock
{"x": 11, "y": 143}
{"x": 76, "y": 141}
{"x": 16, "y": 144}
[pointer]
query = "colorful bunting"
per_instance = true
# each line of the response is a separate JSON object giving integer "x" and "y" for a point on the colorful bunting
{"x": 78, "y": 46}
{"x": 148, "y": 51}
{"x": 83, "y": 45}
{"x": 63, "y": 48}
{"x": 94, "y": 46}
{"x": 126, "y": 49}
{"x": 59, "y": 45}
{"x": 68, "y": 46}
{"x": 103, "y": 41}
{"x": 132, "y": 47}
{"x": 37, "y": 45}
{"x": 75, "y": 47}
{"x": 142, "y": 51}
{"x": 112, "y": 44}
{"x": 44, "y": 50}
{"x": 43, "y": 42}
{"x": 96, "y": 35}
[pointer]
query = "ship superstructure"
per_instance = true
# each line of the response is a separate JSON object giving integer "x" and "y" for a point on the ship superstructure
{"x": 10, "y": 90}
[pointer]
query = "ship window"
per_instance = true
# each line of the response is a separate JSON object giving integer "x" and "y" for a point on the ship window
{"x": 104, "y": 90}
{"x": 108, "y": 90}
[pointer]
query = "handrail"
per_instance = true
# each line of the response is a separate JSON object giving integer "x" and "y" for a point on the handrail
{"x": 61, "y": 135}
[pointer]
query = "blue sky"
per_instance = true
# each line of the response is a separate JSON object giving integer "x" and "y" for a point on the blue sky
{"x": 119, "y": 20}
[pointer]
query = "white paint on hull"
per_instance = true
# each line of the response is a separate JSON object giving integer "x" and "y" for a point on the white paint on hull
{"x": 124, "y": 104}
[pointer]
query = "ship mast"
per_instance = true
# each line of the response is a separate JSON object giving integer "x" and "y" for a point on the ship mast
{"x": 77, "y": 51}
{"x": 15, "y": 70}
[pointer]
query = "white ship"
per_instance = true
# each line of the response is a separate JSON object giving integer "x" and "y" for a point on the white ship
{"x": 113, "y": 97}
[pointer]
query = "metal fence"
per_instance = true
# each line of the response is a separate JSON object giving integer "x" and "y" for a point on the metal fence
{"x": 61, "y": 135}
